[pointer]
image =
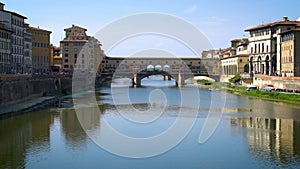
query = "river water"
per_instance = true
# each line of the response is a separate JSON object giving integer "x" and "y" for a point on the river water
{"x": 251, "y": 133}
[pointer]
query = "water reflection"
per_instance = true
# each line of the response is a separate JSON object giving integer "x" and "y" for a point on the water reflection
{"x": 29, "y": 134}
{"x": 271, "y": 138}
{"x": 21, "y": 135}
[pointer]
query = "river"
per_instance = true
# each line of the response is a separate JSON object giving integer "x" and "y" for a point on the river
{"x": 250, "y": 134}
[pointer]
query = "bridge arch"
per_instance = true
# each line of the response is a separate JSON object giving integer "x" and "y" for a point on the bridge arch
{"x": 137, "y": 79}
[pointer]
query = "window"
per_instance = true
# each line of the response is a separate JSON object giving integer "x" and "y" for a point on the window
{"x": 66, "y": 60}
{"x": 66, "y": 66}
{"x": 241, "y": 60}
{"x": 66, "y": 55}
{"x": 75, "y": 55}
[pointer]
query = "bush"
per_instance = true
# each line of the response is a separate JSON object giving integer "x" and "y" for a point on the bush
{"x": 237, "y": 78}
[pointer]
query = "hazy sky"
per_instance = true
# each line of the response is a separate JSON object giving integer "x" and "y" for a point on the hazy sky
{"x": 219, "y": 20}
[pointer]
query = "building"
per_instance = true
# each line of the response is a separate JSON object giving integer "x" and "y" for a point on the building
{"x": 265, "y": 46}
{"x": 55, "y": 59}
{"x": 80, "y": 51}
{"x": 213, "y": 53}
{"x": 5, "y": 52}
{"x": 40, "y": 49}
{"x": 15, "y": 22}
{"x": 27, "y": 51}
{"x": 290, "y": 53}
{"x": 235, "y": 60}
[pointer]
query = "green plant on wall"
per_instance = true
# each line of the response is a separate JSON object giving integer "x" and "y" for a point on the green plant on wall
{"x": 237, "y": 78}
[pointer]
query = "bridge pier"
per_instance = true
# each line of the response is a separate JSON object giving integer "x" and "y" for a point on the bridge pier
{"x": 180, "y": 81}
{"x": 167, "y": 77}
{"x": 136, "y": 81}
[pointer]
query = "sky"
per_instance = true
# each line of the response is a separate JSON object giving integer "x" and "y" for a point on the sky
{"x": 219, "y": 20}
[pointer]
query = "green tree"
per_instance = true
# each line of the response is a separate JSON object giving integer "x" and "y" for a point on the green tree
{"x": 237, "y": 78}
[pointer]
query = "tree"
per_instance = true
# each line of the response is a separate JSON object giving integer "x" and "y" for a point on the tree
{"x": 237, "y": 78}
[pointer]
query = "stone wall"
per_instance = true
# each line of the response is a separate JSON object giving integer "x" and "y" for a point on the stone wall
{"x": 15, "y": 89}
{"x": 292, "y": 83}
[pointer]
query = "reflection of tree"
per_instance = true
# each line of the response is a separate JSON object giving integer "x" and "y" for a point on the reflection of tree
{"x": 278, "y": 138}
{"x": 20, "y": 133}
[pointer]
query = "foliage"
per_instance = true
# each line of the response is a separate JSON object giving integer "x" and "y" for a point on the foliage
{"x": 237, "y": 78}
{"x": 272, "y": 96}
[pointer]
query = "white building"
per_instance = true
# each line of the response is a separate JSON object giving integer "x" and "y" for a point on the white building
{"x": 15, "y": 22}
{"x": 265, "y": 46}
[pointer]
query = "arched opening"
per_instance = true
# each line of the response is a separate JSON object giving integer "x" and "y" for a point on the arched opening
{"x": 166, "y": 68}
{"x": 150, "y": 68}
{"x": 246, "y": 68}
{"x": 158, "y": 68}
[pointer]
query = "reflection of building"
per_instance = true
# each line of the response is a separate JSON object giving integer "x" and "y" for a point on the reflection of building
{"x": 290, "y": 50}
{"x": 236, "y": 61}
{"x": 19, "y": 135}
{"x": 75, "y": 135}
{"x": 279, "y": 137}
{"x": 40, "y": 49}
{"x": 14, "y": 22}
{"x": 5, "y": 41}
{"x": 265, "y": 46}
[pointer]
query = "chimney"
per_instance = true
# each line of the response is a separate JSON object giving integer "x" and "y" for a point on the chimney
{"x": 2, "y": 6}
{"x": 285, "y": 18}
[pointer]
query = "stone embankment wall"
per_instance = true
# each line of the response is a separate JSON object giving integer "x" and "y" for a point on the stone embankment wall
{"x": 292, "y": 83}
{"x": 18, "y": 88}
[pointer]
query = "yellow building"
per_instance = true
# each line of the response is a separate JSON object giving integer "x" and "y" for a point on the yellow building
{"x": 235, "y": 60}
{"x": 40, "y": 49}
{"x": 290, "y": 51}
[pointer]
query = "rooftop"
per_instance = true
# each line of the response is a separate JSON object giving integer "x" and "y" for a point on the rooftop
{"x": 285, "y": 21}
{"x": 74, "y": 26}
{"x": 38, "y": 29}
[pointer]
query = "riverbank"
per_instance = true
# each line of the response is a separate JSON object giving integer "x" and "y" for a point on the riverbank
{"x": 25, "y": 106}
{"x": 265, "y": 95}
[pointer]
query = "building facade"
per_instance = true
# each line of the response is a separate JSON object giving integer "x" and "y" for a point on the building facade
{"x": 15, "y": 22}
{"x": 290, "y": 53}
{"x": 236, "y": 60}
{"x": 27, "y": 51}
{"x": 40, "y": 49}
{"x": 5, "y": 49}
{"x": 55, "y": 59}
{"x": 265, "y": 46}
{"x": 80, "y": 51}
